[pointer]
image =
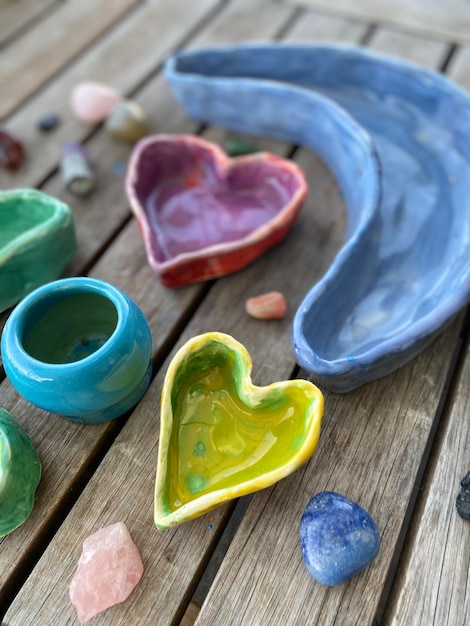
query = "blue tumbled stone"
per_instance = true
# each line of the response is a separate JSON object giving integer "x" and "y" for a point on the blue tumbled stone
{"x": 337, "y": 537}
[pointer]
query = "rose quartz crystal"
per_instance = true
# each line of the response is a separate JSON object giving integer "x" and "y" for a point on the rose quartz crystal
{"x": 92, "y": 102}
{"x": 108, "y": 570}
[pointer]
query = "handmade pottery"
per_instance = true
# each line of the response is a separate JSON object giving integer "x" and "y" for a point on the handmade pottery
{"x": 20, "y": 472}
{"x": 78, "y": 347}
{"x": 221, "y": 436}
{"x": 202, "y": 214}
{"x": 37, "y": 241}
{"x": 402, "y": 272}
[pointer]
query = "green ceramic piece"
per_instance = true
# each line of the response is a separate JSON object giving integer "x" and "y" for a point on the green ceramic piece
{"x": 20, "y": 472}
{"x": 37, "y": 241}
{"x": 222, "y": 437}
{"x": 234, "y": 146}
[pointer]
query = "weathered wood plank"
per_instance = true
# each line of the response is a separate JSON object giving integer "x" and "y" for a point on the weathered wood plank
{"x": 17, "y": 15}
{"x": 313, "y": 26}
{"x": 458, "y": 67}
{"x": 447, "y": 19}
{"x": 39, "y": 54}
{"x": 423, "y": 51}
{"x": 432, "y": 586}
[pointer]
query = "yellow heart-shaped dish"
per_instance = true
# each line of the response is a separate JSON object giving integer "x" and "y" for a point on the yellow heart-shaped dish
{"x": 222, "y": 437}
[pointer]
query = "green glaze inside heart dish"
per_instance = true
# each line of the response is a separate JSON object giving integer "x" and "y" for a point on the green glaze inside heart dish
{"x": 223, "y": 437}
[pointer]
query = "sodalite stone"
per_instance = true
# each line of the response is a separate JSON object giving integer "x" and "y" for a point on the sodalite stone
{"x": 338, "y": 538}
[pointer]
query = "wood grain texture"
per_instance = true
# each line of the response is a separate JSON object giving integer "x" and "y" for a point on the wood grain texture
{"x": 35, "y": 57}
{"x": 449, "y": 19}
{"x": 432, "y": 587}
{"x": 458, "y": 67}
{"x": 191, "y": 614}
{"x": 423, "y": 51}
{"x": 17, "y": 15}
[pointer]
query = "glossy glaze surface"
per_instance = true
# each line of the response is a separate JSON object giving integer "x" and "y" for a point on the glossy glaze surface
{"x": 78, "y": 347}
{"x": 20, "y": 472}
{"x": 338, "y": 538}
{"x": 202, "y": 214}
{"x": 221, "y": 436}
{"x": 402, "y": 272}
{"x": 37, "y": 241}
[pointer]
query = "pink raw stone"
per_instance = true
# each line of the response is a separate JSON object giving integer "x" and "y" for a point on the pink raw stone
{"x": 93, "y": 102}
{"x": 108, "y": 570}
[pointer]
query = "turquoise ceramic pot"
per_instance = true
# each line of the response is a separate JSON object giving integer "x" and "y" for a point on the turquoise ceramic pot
{"x": 78, "y": 347}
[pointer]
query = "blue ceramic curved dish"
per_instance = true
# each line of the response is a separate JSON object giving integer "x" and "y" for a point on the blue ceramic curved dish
{"x": 402, "y": 272}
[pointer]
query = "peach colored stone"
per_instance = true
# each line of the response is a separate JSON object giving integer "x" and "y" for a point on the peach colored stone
{"x": 108, "y": 570}
{"x": 92, "y": 102}
{"x": 267, "y": 306}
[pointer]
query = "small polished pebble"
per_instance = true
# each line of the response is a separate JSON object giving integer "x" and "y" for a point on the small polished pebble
{"x": 463, "y": 499}
{"x": 92, "y": 102}
{"x": 127, "y": 122}
{"x": 267, "y": 306}
{"x": 337, "y": 537}
{"x": 11, "y": 150}
{"x": 48, "y": 122}
{"x": 237, "y": 147}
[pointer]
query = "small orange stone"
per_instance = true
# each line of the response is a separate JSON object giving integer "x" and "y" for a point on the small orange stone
{"x": 267, "y": 306}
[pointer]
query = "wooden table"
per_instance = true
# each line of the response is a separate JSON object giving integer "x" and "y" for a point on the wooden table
{"x": 398, "y": 446}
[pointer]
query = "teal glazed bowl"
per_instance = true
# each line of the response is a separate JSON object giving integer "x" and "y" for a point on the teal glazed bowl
{"x": 78, "y": 347}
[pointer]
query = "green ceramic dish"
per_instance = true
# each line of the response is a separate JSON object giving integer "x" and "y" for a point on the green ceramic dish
{"x": 37, "y": 241}
{"x": 20, "y": 472}
{"x": 222, "y": 437}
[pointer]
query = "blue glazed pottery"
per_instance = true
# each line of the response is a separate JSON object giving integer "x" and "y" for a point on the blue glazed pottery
{"x": 402, "y": 272}
{"x": 37, "y": 242}
{"x": 78, "y": 347}
{"x": 338, "y": 538}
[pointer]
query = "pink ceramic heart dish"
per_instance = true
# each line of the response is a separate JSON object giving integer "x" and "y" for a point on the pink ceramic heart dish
{"x": 202, "y": 214}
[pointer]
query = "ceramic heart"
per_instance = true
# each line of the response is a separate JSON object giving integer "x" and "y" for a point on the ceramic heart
{"x": 202, "y": 214}
{"x": 222, "y": 437}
